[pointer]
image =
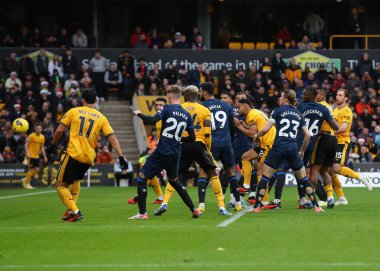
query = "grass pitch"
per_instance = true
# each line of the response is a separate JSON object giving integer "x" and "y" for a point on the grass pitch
{"x": 32, "y": 236}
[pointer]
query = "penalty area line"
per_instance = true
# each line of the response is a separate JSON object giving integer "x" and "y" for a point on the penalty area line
{"x": 31, "y": 194}
{"x": 232, "y": 219}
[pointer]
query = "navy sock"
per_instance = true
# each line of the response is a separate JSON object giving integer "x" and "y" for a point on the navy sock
{"x": 320, "y": 191}
{"x": 141, "y": 194}
{"x": 301, "y": 190}
{"x": 279, "y": 184}
{"x": 202, "y": 186}
{"x": 182, "y": 192}
{"x": 253, "y": 185}
{"x": 306, "y": 185}
{"x": 272, "y": 181}
{"x": 234, "y": 187}
{"x": 261, "y": 187}
{"x": 224, "y": 184}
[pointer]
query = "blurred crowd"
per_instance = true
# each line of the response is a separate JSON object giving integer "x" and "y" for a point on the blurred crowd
{"x": 42, "y": 89}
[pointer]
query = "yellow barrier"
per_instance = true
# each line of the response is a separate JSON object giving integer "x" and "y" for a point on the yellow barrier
{"x": 353, "y": 36}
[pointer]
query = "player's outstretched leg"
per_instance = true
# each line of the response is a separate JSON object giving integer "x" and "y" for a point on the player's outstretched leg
{"x": 182, "y": 192}
{"x": 142, "y": 194}
{"x": 202, "y": 188}
{"x": 169, "y": 190}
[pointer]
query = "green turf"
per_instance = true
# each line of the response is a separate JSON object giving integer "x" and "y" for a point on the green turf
{"x": 32, "y": 237}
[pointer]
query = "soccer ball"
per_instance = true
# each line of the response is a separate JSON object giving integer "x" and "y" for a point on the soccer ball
{"x": 20, "y": 126}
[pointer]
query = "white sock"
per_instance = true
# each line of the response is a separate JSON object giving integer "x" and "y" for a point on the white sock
{"x": 252, "y": 194}
{"x": 246, "y": 186}
{"x": 161, "y": 198}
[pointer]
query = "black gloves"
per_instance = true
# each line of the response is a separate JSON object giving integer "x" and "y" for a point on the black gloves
{"x": 123, "y": 163}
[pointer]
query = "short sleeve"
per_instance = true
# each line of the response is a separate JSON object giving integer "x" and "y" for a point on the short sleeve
{"x": 106, "y": 128}
{"x": 67, "y": 118}
{"x": 273, "y": 116}
{"x": 347, "y": 116}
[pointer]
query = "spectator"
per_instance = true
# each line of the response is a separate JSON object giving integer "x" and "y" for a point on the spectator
{"x": 8, "y": 41}
{"x": 37, "y": 37}
{"x": 13, "y": 81}
{"x": 152, "y": 139}
{"x": 182, "y": 43}
{"x": 26, "y": 65}
{"x": 63, "y": 39}
{"x": 278, "y": 66}
{"x": 142, "y": 68}
{"x": 142, "y": 42}
{"x": 279, "y": 44}
{"x": 339, "y": 80}
{"x": 70, "y": 82}
{"x": 42, "y": 64}
{"x": 155, "y": 39}
{"x": 293, "y": 45}
{"x": 8, "y": 156}
{"x": 305, "y": 44}
{"x": 24, "y": 39}
{"x": 364, "y": 155}
{"x": 209, "y": 77}
{"x": 55, "y": 64}
{"x": 69, "y": 63}
{"x": 104, "y": 157}
{"x": 293, "y": 71}
{"x": 171, "y": 74}
{"x": 367, "y": 81}
{"x": 79, "y": 39}
{"x": 135, "y": 36}
{"x": 98, "y": 66}
{"x": 10, "y": 64}
{"x": 266, "y": 68}
{"x": 359, "y": 107}
{"x": 113, "y": 79}
{"x": 177, "y": 38}
{"x": 198, "y": 44}
{"x": 184, "y": 75}
{"x": 168, "y": 44}
{"x": 356, "y": 27}
{"x": 198, "y": 75}
{"x": 322, "y": 74}
{"x": 364, "y": 65}
{"x": 353, "y": 82}
{"x": 127, "y": 66}
{"x": 313, "y": 25}
{"x": 51, "y": 41}
{"x": 119, "y": 174}
{"x": 373, "y": 149}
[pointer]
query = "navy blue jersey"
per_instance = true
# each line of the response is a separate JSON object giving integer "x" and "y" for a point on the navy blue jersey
{"x": 288, "y": 122}
{"x": 314, "y": 115}
{"x": 221, "y": 114}
{"x": 175, "y": 120}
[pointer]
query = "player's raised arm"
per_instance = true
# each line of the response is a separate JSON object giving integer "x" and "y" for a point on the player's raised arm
{"x": 148, "y": 119}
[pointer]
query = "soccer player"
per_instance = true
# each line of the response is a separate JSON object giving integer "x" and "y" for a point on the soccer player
{"x": 175, "y": 120}
{"x": 323, "y": 155}
{"x": 343, "y": 115}
{"x": 198, "y": 151}
{"x": 35, "y": 143}
{"x": 288, "y": 121}
{"x": 222, "y": 123}
{"x": 85, "y": 124}
{"x": 155, "y": 183}
{"x": 255, "y": 121}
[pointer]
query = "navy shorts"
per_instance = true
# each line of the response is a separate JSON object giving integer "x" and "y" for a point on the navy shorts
{"x": 225, "y": 155}
{"x": 306, "y": 161}
{"x": 280, "y": 154}
{"x": 239, "y": 151}
{"x": 157, "y": 162}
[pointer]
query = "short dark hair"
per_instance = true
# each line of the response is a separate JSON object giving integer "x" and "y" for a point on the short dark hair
{"x": 311, "y": 90}
{"x": 245, "y": 101}
{"x": 226, "y": 93}
{"x": 89, "y": 95}
{"x": 208, "y": 87}
{"x": 161, "y": 99}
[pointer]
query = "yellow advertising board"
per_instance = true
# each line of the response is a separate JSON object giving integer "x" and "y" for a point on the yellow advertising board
{"x": 314, "y": 60}
{"x": 146, "y": 104}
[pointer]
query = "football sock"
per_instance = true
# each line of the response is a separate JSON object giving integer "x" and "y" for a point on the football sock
{"x": 305, "y": 185}
{"x": 329, "y": 191}
{"x": 217, "y": 188}
{"x": 247, "y": 173}
{"x": 74, "y": 190}
{"x": 234, "y": 188}
{"x": 169, "y": 190}
{"x": 320, "y": 191}
{"x": 301, "y": 191}
{"x": 337, "y": 186}
{"x": 279, "y": 184}
{"x": 266, "y": 196}
{"x": 30, "y": 174}
{"x": 156, "y": 187}
{"x": 224, "y": 183}
{"x": 253, "y": 185}
{"x": 347, "y": 172}
{"x": 142, "y": 194}
{"x": 202, "y": 186}
{"x": 261, "y": 190}
{"x": 67, "y": 199}
{"x": 181, "y": 190}
{"x": 272, "y": 181}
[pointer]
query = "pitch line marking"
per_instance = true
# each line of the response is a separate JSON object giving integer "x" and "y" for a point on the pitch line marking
{"x": 232, "y": 219}
{"x": 190, "y": 264}
{"x": 31, "y": 194}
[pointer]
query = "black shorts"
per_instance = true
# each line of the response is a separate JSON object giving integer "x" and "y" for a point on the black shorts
{"x": 324, "y": 151}
{"x": 71, "y": 170}
{"x": 195, "y": 151}
{"x": 262, "y": 153}
{"x": 34, "y": 162}
{"x": 342, "y": 152}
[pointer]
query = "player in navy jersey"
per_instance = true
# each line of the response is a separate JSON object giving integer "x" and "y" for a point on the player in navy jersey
{"x": 314, "y": 115}
{"x": 222, "y": 119}
{"x": 175, "y": 120}
{"x": 289, "y": 122}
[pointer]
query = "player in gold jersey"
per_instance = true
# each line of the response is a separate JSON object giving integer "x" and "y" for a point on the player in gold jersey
{"x": 85, "y": 124}
{"x": 155, "y": 183}
{"x": 35, "y": 143}
{"x": 255, "y": 121}
{"x": 343, "y": 115}
{"x": 198, "y": 151}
